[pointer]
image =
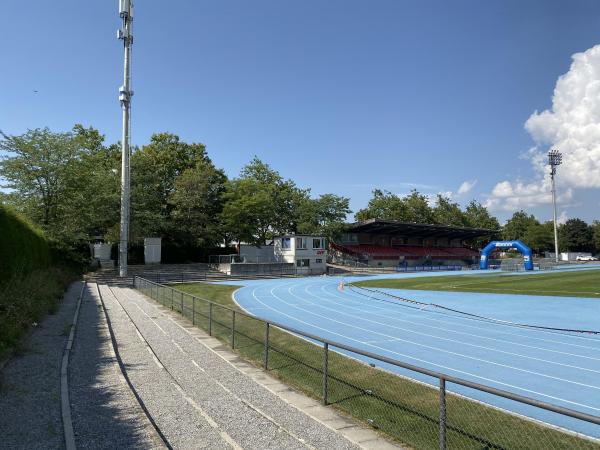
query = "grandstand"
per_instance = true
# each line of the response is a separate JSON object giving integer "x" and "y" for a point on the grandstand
{"x": 391, "y": 243}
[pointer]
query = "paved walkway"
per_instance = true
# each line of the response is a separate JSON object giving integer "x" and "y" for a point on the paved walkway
{"x": 167, "y": 385}
{"x": 105, "y": 414}
{"x": 30, "y": 383}
{"x": 203, "y": 396}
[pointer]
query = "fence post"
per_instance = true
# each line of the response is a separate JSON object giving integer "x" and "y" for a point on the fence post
{"x": 182, "y": 313}
{"x": 325, "y": 364}
{"x": 171, "y": 300}
{"x": 193, "y": 310}
{"x": 232, "y": 329}
{"x": 442, "y": 414}
{"x": 210, "y": 319}
{"x": 266, "y": 359}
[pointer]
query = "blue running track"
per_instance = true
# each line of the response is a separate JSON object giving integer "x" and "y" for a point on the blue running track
{"x": 555, "y": 367}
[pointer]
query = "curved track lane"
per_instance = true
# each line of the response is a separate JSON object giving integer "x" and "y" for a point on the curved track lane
{"x": 556, "y": 367}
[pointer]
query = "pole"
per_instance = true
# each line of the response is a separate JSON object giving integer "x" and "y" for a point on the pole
{"x": 126, "y": 13}
{"x": 552, "y": 173}
{"x": 442, "y": 414}
{"x": 325, "y": 370}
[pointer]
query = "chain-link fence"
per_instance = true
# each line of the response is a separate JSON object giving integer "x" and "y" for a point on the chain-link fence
{"x": 418, "y": 414}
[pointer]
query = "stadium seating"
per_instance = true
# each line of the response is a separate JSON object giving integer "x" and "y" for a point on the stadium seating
{"x": 407, "y": 251}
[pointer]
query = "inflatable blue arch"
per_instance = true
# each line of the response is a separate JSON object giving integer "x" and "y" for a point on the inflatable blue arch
{"x": 506, "y": 245}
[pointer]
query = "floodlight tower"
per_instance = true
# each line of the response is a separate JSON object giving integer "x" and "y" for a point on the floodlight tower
{"x": 554, "y": 159}
{"x": 124, "y": 34}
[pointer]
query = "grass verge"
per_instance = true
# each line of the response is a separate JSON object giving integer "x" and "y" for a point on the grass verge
{"x": 26, "y": 300}
{"x": 568, "y": 284}
{"x": 404, "y": 410}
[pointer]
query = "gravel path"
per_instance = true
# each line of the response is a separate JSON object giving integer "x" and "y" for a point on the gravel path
{"x": 183, "y": 423}
{"x": 247, "y": 414}
{"x": 105, "y": 413}
{"x": 30, "y": 383}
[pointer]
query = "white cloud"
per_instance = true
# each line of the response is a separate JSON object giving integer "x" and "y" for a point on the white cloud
{"x": 571, "y": 126}
{"x": 562, "y": 217}
{"x": 466, "y": 187}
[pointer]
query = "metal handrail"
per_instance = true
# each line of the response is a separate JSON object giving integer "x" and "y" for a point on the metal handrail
{"x": 441, "y": 376}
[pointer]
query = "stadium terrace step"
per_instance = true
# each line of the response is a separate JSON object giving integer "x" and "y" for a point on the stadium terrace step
{"x": 169, "y": 273}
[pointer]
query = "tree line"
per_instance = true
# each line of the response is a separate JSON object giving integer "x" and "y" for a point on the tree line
{"x": 68, "y": 184}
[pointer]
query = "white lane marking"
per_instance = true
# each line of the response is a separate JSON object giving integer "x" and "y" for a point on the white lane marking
{"x": 461, "y": 355}
{"x": 491, "y": 380}
{"x": 394, "y": 314}
{"x": 338, "y": 311}
{"x": 490, "y": 327}
{"x": 226, "y": 437}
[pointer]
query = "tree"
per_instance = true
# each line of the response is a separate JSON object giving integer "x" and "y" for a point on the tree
{"x": 383, "y": 205}
{"x": 540, "y": 237}
{"x": 477, "y": 216}
{"x": 154, "y": 170}
{"x": 63, "y": 182}
{"x": 575, "y": 235}
{"x": 196, "y": 204}
{"x": 447, "y": 212}
{"x": 516, "y": 227}
{"x": 260, "y": 204}
{"x": 418, "y": 209}
{"x": 35, "y": 169}
{"x": 596, "y": 235}
{"x": 325, "y": 215}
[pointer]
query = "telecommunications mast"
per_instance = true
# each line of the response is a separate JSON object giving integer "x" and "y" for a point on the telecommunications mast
{"x": 124, "y": 34}
{"x": 554, "y": 159}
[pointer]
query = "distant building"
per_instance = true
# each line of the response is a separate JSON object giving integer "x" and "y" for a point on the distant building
{"x": 307, "y": 252}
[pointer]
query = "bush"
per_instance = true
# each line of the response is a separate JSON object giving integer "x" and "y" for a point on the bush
{"x": 23, "y": 248}
{"x": 26, "y": 300}
{"x": 33, "y": 276}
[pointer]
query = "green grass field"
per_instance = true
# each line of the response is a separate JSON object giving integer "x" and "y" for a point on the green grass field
{"x": 404, "y": 410}
{"x": 566, "y": 284}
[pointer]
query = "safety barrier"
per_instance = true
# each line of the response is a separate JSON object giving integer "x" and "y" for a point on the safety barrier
{"x": 422, "y": 415}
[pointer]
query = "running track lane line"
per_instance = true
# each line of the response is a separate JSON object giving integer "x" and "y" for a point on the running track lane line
{"x": 318, "y": 305}
{"x": 431, "y": 347}
{"x": 421, "y": 360}
{"x": 402, "y": 317}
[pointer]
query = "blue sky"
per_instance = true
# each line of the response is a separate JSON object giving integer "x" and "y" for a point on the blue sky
{"x": 342, "y": 96}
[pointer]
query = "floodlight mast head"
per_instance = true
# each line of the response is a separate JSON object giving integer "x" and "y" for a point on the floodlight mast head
{"x": 554, "y": 159}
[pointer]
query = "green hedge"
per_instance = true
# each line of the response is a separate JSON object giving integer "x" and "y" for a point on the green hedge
{"x": 23, "y": 248}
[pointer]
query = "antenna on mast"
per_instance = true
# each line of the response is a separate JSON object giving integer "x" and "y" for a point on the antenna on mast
{"x": 125, "y": 93}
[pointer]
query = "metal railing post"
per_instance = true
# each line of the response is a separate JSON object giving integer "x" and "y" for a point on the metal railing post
{"x": 193, "y": 310}
{"x": 210, "y": 319}
{"x": 232, "y": 329}
{"x": 266, "y": 355}
{"x": 442, "y": 414}
{"x": 325, "y": 368}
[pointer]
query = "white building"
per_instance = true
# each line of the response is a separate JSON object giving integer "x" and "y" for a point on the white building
{"x": 308, "y": 253}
